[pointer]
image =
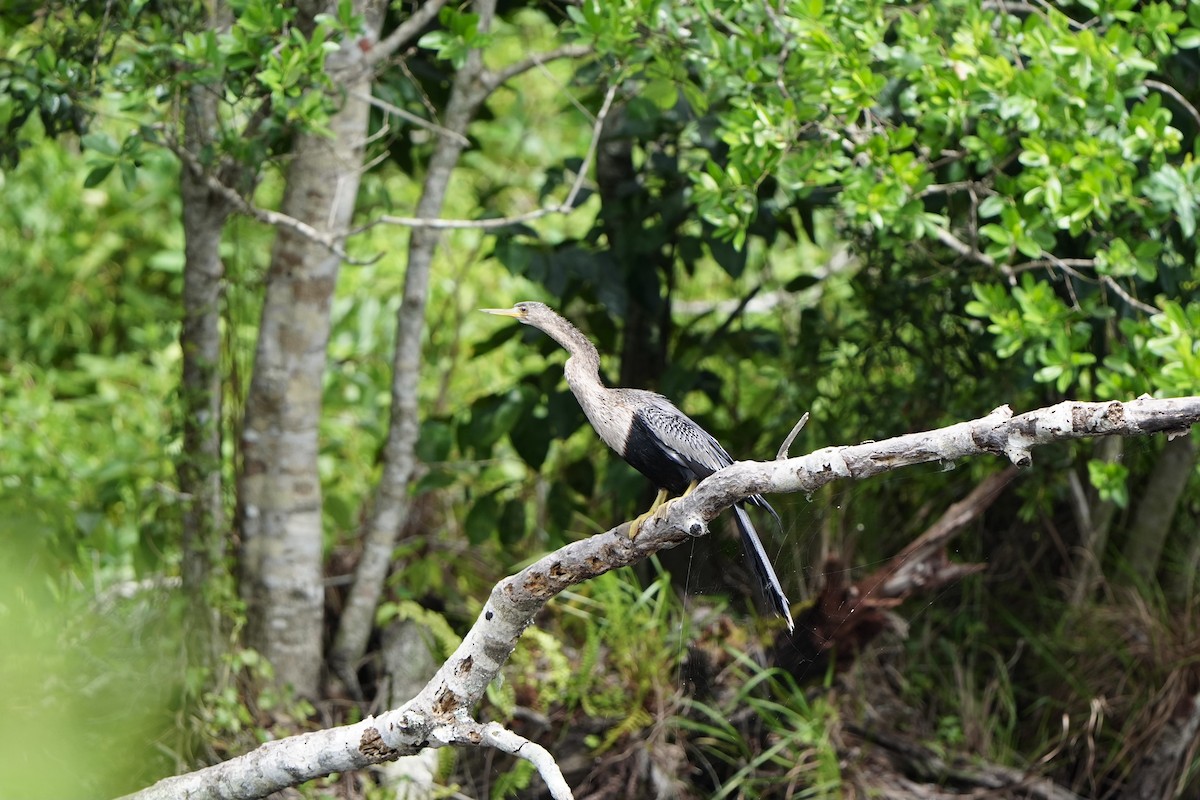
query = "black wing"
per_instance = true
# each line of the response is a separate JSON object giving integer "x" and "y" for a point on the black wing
{"x": 684, "y": 441}
{"x": 690, "y": 446}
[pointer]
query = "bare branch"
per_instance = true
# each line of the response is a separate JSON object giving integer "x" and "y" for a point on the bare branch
{"x": 1108, "y": 281}
{"x": 791, "y": 437}
{"x": 496, "y": 735}
{"x": 404, "y": 33}
{"x": 266, "y": 216}
{"x": 565, "y": 207}
{"x": 1069, "y": 265}
{"x": 962, "y": 248}
{"x": 952, "y": 187}
{"x": 1173, "y": 93}
{"x": 494, "y": 80}
{"x": 439, "y": 715}
{"x": 411, "y": 118}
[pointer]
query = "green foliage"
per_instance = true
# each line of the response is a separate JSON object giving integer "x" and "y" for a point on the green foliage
{"x": 269, "y": 67}
{"x": 459, "y": 35}
{"x": 515, "y": 779}
{"x": 88, "y": 362}
{"x": 1034, "y": 141}
{"x": 930, "y": 209}
{"x": 622, "y": 662}
{"x": 795, "y": 749}
{"x": 431, "y": 621}
{"x": 1032, "y": 321}
{"x": 1111, "y": 481}
{"x": 72, "y": 663}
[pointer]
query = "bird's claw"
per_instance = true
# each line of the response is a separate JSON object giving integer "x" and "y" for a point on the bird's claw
{"x": 658, "y": 512}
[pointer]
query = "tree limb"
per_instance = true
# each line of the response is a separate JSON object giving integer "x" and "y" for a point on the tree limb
{"x": 494, "y": 79}
{"x": 390, "y": 503}
{"x": 403, "y": 34}
{"x": 330, "y": 241}
{"x": 439, "y": 715}
{"x": 565, "y": 207}
{"x": 1173, "y": 93}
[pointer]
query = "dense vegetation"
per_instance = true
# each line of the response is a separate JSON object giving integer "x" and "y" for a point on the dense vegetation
{"x": 894, "y": 216}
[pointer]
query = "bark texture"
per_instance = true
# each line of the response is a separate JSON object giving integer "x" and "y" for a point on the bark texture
{"x": 279, "y": 491}
{"x": 199, "y": 467}
{"x": 390, "y": 505}
{"x": 440, "y": 714}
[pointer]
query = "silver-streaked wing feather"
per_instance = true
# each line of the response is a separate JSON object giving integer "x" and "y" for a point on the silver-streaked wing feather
{"x": 684, "y": 440}
{"x": 692, "y": 446}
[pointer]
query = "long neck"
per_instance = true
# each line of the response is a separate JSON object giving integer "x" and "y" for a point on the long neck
{"x": 603, "y": 407}
{"x": 584, "y": 363}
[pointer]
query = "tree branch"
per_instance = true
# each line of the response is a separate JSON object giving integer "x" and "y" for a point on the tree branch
{"x": 967, "y": 251}
{"x": 412, "y": 119}
{"x": 242, "y": 205}
{"x": 1173, "y": 93}
{"x": 440, "y": 714}
{"x": 390, "y": 502}
{"x": 404, "y": 33}
{"x": 493, "y": 80}
{"x": 565, "y": 207}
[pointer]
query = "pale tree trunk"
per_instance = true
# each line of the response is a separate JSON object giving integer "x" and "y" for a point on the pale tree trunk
{"x": 1160, "y": 497}
{"x": 390, "y": 504}
{"x": 279, "y": 491}
{"x": 199, "y": 467}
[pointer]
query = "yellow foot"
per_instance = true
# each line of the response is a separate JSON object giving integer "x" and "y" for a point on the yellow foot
{"x": 658, "y": 509}
{"x": 636, "y": 525}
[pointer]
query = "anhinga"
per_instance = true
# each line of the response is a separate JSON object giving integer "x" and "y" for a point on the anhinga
{"x": 654, "y": 436}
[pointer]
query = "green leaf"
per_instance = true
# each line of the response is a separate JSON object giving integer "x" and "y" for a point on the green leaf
{"x": 101, "y": 142}
{"x": 1188, "y": 38}
{"x": 531, "y": 437}
{"x": 435, "y": 441}
{"x": 128, "y": 175}
{"x": 1048, "y": 373}
{"x": 98, "y": 174}
{"x": 512, "y": 522}
{"x": 482, "y": 519}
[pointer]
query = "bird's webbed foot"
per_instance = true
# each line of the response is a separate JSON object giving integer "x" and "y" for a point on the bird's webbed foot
{"x": 658, "y": 509}
{"x": 636, "y": 525}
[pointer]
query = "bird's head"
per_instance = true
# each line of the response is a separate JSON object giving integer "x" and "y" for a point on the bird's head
{"x": 529, "y": 312}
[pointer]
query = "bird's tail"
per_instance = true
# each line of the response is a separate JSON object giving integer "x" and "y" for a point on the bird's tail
{"x": 762, "y": 565}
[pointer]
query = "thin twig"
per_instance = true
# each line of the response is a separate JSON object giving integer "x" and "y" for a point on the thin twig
{"x": 565, "y": 207}
{"x": 950, "y": 188}
{"x": 1068, "y": 266}
{"x": 1111, "y": 283}
{"x": 1173, "y": 93}
{"x": 404, "y": 33}
{"x": 266, "y": 216}
{"x": 966, "y": 251}
{"x": 493, "y": 80}
{"x": 410, "y": 117}
{"x": 1052, "y": 261}
{"x": 791, "y": 437}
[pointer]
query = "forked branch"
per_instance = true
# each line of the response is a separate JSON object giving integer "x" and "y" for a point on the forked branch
{"x": 440, "y": 714}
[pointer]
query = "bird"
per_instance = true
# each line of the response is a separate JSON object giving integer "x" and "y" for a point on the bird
{"x": 653, "y": 436}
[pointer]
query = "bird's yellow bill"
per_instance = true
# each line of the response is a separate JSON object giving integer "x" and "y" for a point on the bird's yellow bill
{"x": 504, "y": 312}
